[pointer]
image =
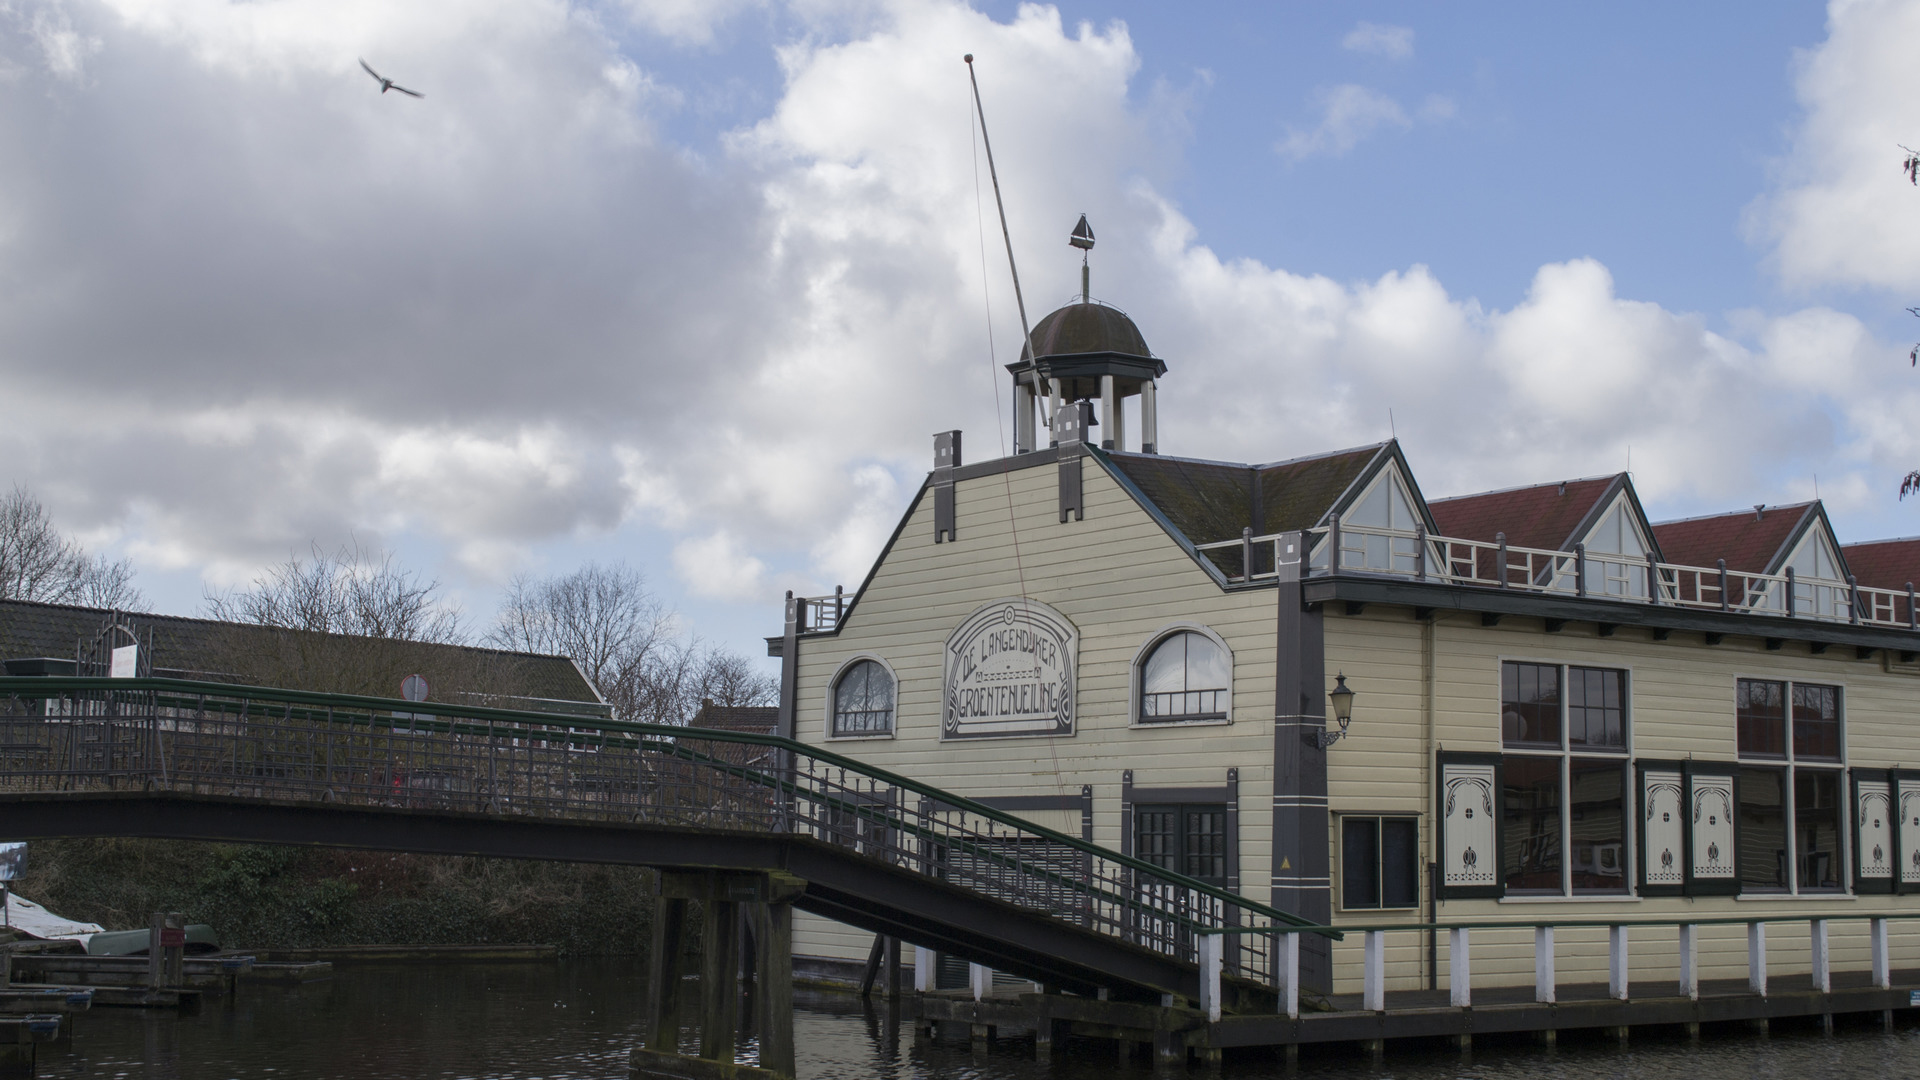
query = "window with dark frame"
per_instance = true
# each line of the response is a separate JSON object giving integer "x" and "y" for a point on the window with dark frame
{"x": 863, "y": 700}
{"x": 1791, "y": 813}
{"x": 1379, "y": 862}
{"x": 1186, "y": 839}
{"x": 1563, "y": 800}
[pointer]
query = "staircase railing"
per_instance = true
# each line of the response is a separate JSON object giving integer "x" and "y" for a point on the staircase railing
{"x": 75, "y": 735}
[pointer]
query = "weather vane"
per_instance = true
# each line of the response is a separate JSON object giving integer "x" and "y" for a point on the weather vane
{"x": 1082, "y": 238}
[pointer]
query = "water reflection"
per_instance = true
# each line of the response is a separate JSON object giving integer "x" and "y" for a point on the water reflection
{"x": 579, "y": 1019}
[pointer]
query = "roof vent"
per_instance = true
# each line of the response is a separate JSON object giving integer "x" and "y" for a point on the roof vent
{"x": 1759, "y": 511}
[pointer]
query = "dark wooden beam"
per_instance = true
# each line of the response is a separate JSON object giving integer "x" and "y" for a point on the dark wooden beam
{"x": 1906, "y": 657}
{"x": 1815, "y": 647}
{"x": 1489, "y": 618}
{"x": 1355, "y": 607}
{"x": 1774, "y": 643}
{"x": 1713, "y": 638}
{"x": 1864, "y": 652}
{"x": 1554, "y": 626}
{"x": 1607, "y": 628}
{"x": 1422, "y": 614}
{"x": 1661, "y": 633}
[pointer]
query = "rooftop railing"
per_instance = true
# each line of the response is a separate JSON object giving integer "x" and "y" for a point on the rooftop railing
{"x": 1417, "y": 555}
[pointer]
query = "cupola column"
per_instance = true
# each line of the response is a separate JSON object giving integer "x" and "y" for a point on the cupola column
{"x": 1053, "y": 404}
{"x": 1149, "y": 420}
{"x": 1109, "y": 413}
{"x": 1023, "y": 441}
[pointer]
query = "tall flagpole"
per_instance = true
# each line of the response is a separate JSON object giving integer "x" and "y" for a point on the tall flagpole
{"x": 1026, "y": 334}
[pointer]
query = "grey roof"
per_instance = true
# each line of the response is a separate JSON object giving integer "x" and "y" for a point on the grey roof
{"x": 189, "y": 648}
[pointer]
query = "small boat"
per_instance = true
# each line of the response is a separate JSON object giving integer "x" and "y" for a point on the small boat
{"x": 200, "y": 939}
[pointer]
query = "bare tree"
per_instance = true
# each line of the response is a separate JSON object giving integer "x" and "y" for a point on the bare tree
{"x": 37, "y": 563}
{"x": 627, "y": 643}
{"x": 348, "y": 591}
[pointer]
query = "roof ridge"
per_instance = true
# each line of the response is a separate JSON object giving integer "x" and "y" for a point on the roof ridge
{"x": 1316, "y": 457}
{"x": 1736, "y": 513}
{"x": 1888, "y": 540}
{"x": 1525, "y": 487}
{"x": 1113, "y": 452}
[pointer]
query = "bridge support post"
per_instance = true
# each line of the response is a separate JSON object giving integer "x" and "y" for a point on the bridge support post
{"x": 663, "y": 975}
{"x": 720, "y": 981}
{"x": 773, "y": 934}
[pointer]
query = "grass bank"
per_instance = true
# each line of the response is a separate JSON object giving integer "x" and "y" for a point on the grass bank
{"x": 278, "y": 897}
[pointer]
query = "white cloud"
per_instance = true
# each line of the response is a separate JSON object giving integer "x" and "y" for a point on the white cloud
{"x": 510, "y": 315}
{"x": 1841, "y": 212}
{"x": 1392, "y": 42}
{"x": 1348, "y": 114}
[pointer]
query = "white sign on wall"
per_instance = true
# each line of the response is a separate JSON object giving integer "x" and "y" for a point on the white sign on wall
{"x": 1873, "y": 810}
{"x": 1665, "y": 830}
{"x": 125, "y": 663}
{"x": 1713, "y": 852}
{"x": 1909, "y": 831}
{"x": 1472, "y": 856}
{"x": 1010, "y": 671}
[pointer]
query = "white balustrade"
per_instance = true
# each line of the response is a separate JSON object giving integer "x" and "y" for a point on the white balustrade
{"x": 1617, "y": 962}
{"x": 1690, "y": 961}
{"x": 1459, "y": 968}
{"x": 1543, "y": 982}
{"x": 1374, "y": 981}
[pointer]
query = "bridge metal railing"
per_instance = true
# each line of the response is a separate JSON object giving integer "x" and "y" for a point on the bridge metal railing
{"x": 77, "y": 735}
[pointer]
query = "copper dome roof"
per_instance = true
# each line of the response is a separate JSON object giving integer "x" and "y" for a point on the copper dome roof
{"x": 1087, "y": 328}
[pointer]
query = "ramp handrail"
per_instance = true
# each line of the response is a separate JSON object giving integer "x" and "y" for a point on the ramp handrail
{"x": 89, "y": 733}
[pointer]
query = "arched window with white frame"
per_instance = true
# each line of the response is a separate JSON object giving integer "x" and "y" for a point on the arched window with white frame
{"x": 862, "y": 700}
{"x": 1185, "y": 675}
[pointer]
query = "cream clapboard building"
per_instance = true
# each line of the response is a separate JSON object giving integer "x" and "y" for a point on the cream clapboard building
{"x": 1705, "y": 718}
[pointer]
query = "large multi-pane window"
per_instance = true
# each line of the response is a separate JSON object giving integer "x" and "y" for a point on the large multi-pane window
{"x": 1564, "y": 793}
{"x": 1791, "y": 809}
{"x": 1190, "y": 840}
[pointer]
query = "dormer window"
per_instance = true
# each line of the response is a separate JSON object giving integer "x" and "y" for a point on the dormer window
{"x": 1819, "y": 587}
{"x": 1616, "y": 555}
{"x": 1186, "y": 676}
{"x": 1378, "y": 531}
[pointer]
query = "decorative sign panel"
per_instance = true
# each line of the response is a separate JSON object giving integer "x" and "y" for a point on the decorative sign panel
{"x": 1909, "y": 832}
{"x": 1663, "y": 835}
{"x": 1010, "y": 671}
{"x": 1872, "y": 809}
{"x": 1472, "y": 855}
{"x": 1712, "y": 811}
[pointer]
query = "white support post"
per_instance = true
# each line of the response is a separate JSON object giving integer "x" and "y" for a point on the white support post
{"x": 1617, "y": 962}
{"x": 1290, "y": 975}
{"x": 1210, "y": 949}
{"x": 1022, "y": 416}
{"x": 1149, "y": 419}
{"x": 1882, "y": 957}
{"x": 1374, "y": 985}
{"x": 1543, "y": 982}
{"x": 1690, "y": 961}
{"x": 1109, "y": 427}
{"x": 1459, "y": 968}
{"x": 1757, "y": 958}
{"x": 923, "y": 970}
{"x": 980, "y": 979}
{"x": 1822, "y": 971}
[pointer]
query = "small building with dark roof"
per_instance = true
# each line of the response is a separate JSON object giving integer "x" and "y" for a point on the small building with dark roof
{"x": 1554, "y": 698}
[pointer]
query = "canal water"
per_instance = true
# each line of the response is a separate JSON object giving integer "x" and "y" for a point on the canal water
{"x": 579, "y": 1019}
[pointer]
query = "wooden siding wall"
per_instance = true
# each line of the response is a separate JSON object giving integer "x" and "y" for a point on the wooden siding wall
{"x": 1681, "y": 704}
{"x": 1120, "y": 578}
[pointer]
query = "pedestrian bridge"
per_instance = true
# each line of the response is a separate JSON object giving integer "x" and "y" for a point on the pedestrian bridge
{"x": 189, "y": 760}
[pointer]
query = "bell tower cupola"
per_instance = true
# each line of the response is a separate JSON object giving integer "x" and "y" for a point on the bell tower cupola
{"x": 1087, "y": 351}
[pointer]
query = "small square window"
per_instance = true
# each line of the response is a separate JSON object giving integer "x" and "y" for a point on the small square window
{"x": 1379, "y": 862}
{"x": 1530, "y": 704}
{"x": 1760, "y": 707}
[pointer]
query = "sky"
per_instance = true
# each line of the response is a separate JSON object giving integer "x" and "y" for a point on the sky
{"x": 690, "y": 285}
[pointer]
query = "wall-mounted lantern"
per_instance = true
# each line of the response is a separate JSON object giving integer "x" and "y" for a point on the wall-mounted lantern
{"x": 1342, "y": 698}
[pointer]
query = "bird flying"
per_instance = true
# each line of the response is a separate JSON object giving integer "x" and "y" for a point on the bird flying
{"x": 387, "y": 84}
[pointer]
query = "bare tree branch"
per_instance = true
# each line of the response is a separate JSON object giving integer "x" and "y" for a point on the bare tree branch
{"x": 37, "y": 563}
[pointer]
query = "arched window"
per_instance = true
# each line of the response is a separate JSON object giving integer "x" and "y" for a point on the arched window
{"x": 863, "y": 700}
{"x": 1187, "y": 676}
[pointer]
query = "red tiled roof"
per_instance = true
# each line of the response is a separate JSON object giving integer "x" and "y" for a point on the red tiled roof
{"x": 1748, "y": 542}
{"x": 1543, "y": 516}
{"x": 1884, "y": 564}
